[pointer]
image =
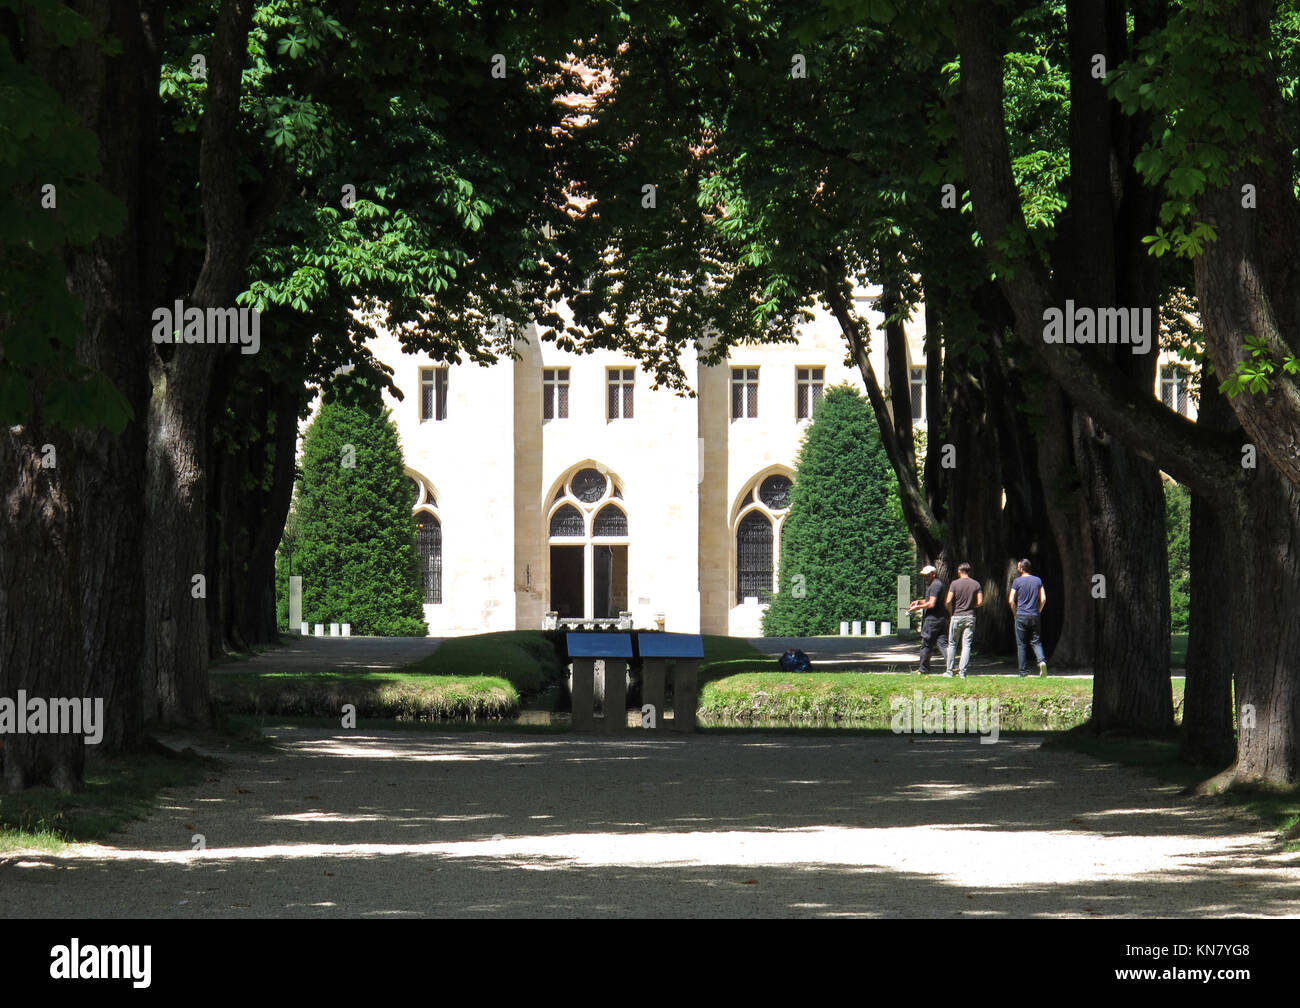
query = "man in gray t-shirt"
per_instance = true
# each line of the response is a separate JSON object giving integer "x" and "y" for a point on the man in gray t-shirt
{"x": 964, "y": 597}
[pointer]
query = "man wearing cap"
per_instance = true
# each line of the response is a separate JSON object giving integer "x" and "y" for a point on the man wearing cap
{"x": 934, "y": 624}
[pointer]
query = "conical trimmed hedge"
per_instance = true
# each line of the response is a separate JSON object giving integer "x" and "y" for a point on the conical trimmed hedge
{"x": 354, "y": 541}
{"x": 844, "y": 541}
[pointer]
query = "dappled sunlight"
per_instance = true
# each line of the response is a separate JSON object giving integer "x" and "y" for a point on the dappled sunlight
{"x": 399, "y": 824}
{"x": 983, "y": 857}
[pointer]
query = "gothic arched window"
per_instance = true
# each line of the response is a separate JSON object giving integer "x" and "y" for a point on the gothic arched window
{"x": 754, "y": 557}
{"x": 428, "y": 541}
{"x": 761, "y": 512}
{"x": 567, "y": 521}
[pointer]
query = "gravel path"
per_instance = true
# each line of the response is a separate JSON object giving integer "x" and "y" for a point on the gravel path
{"x": 478, "y": 824}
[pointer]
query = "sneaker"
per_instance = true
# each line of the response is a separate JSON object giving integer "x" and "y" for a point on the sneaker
{"x": 1042, "y": 668}
{"x": 947, "y": 675}
{"x": 961, "y": 675}
{"x": 1021, "y": 675}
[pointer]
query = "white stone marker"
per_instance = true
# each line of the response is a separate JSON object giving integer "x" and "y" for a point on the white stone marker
{"x": 334, "y": 629}
{"x": 844, "y": 629}
{"x": 320, "y": 629}
{"x": 857, "y": 628}
{"x": 306, "y": 629}
{"x": 347, "y": 629}
{"x": 871, "y": 628}
{"x": 884, "y": 629}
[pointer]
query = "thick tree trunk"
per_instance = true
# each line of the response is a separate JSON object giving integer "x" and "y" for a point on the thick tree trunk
{"x": 176, "y": 668}
{"x": 254, "y": 485}
{"x": 1069, "y": 605}
{"x": 1268, "y": 656}
{"x": 1215, "y": 623}
{"x": 114, "y": 279}
{"x": 71, "y": 612}
{"x": 40, "y": 639}
{"x": 176, "y": 659}
{"x": 1131, "y": 686}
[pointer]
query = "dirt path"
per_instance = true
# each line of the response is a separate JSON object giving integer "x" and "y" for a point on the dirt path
{"x": 393, "y": 824}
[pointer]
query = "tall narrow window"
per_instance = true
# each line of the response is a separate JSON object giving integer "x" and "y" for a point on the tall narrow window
{"x": 754, "y": 566}
{"x": 808, "y": 383}
{"x": 744, "y": 393}
{"x": 620, "y": 384}
{"x": 433, "y": 394}
{"x": 428, "y": 540}
{"x": 918, "y": 393}
{"x": 555, "y": 393}
{"x": 1173, "y": 387}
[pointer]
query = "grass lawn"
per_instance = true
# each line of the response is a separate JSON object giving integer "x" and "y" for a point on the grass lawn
{"x": 866, "y": 698}
{"x": 524, "y": 657}
{"x": 406, "y": 695}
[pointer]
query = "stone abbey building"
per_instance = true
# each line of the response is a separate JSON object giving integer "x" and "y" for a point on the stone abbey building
{"x": 563, "y": 484}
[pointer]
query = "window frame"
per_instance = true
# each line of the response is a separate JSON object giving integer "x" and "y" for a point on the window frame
{"x": 916, "y": 392}
{"x": 554, "y": 381}
{"x": 620, "y": 386}
{"x": 1178, "y": 379}
{"x": 745, "y": 379}
{"x": 435, "y": 381}
{"x": 808, "y": 390}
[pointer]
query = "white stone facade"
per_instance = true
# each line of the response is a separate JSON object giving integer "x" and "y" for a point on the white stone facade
{"x": 495, "y": 451}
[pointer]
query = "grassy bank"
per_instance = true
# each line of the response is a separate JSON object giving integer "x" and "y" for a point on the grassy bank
{"x": 117, "y": 790}
{"x": 525, "y": 658}
{"x": 398, "y": 695}
{"x": 866, "y": 699}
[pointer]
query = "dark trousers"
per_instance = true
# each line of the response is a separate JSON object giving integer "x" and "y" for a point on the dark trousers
{"x": 934, "y": 638}
{"x": 1028, "y": 632}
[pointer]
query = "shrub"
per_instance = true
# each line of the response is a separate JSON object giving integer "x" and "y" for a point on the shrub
{"x": 844, "y": 538}
{"x": 353, "y": 533}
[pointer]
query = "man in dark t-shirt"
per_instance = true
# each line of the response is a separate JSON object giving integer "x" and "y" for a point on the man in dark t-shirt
{"x": 1027, "y": 599}
{"x": 964, "y": 597}
{"x": 934, "y": 624}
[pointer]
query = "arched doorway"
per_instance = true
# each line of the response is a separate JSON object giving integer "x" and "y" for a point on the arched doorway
{"x": 587, "y": 529}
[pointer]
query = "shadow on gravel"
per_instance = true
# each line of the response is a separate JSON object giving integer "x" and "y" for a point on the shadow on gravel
{"x": 405, "y": 824}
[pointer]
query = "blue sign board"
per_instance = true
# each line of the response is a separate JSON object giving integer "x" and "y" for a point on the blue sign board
{"x": 599, "y": 645}
{"x": 670, "y": 645}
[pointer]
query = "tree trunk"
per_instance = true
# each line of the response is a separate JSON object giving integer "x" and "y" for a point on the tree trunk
{"x": 1268, "y": 652}
{"x": 115, "y": 278}
{"x": 71, "y": 581}
{"x": 40, "y": 638}
{"x": 176, "y": 666}
{"x": 1069, "y": 631}
{"x": 1215, "y": 621}
{"x": 176, "y": 660}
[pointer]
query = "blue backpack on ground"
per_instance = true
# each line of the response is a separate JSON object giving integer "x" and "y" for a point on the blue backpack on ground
{"x": 795, "y": 660}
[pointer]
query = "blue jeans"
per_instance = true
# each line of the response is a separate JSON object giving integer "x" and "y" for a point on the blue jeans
{"x": 961, "y": 632}
{"x": 1028, "y": 628}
